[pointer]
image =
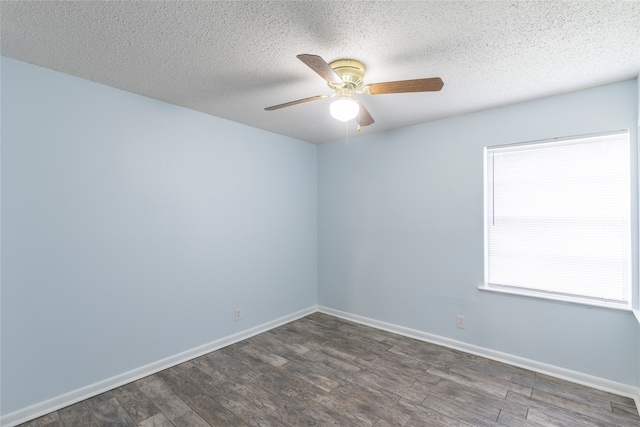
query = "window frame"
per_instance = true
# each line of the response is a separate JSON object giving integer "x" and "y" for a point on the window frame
{"x": 632, "y": 302}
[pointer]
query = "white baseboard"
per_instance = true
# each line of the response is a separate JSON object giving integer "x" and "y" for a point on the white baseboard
{"x": 66, "y": 399}
{"x": 543, "y": 368}
{"x": 34, "y": 411}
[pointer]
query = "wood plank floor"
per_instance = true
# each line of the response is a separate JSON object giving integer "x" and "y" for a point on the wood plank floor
{"x": 321, "y": 370}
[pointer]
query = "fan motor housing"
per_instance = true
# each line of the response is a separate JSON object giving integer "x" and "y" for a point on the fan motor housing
{"x": 350, "y": 71}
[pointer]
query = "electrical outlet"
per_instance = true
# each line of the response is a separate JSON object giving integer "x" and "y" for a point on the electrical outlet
{"x": 460, "y": 321}
{"x": 238, "y": 314}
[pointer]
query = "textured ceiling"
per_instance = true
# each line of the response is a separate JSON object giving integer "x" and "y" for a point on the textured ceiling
{"x": 233, "y": 59}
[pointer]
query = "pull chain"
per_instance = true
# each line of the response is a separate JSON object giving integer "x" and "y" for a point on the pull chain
{"x": 347, "y": 123}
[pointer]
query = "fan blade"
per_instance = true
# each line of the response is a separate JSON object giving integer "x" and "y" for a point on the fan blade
{"x": 321, "y": 67}
{"x": 432, "y": 84}
{"x": 299, "y": 101}
{"x": 363, "y": 118}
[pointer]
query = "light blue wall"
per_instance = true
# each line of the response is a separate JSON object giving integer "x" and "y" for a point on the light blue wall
{"x": 132, "y": 228}
{"x": 400, "y": 234}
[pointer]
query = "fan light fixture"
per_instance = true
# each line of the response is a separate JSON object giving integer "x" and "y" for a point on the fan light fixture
{"x": 345, "y": 77}
{"x": 344, "y": 109}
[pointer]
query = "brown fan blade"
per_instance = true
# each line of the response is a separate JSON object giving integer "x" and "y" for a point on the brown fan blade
{"x": 321, "y": 67}
{"x": 363, "y": 118}
{"x": 432, "y": 84}
{"x": 299, "y": 101}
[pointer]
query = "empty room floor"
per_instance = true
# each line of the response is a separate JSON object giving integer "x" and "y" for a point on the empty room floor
{"x": 321, "y": 370}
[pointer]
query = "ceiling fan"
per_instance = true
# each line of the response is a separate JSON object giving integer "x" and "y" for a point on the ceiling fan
{"x": 345, "y": 77}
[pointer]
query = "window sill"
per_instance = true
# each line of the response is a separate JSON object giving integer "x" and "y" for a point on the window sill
{"x": 578, "y": 301}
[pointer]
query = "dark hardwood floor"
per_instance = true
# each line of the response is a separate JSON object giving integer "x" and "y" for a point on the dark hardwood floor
{"x": 321, "y": 370}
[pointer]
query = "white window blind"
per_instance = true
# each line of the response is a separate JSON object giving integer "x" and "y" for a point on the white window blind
{"x": 558, "y": 218}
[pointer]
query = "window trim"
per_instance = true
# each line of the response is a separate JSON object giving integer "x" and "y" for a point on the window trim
{"x": 629, "y": 306}
{"x": 552, "y": 297}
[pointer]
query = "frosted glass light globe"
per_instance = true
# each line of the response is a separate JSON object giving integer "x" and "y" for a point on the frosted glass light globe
{"x": 344, "y": 109}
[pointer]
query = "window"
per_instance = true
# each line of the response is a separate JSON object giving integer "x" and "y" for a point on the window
{"x": 558, "y": 219}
